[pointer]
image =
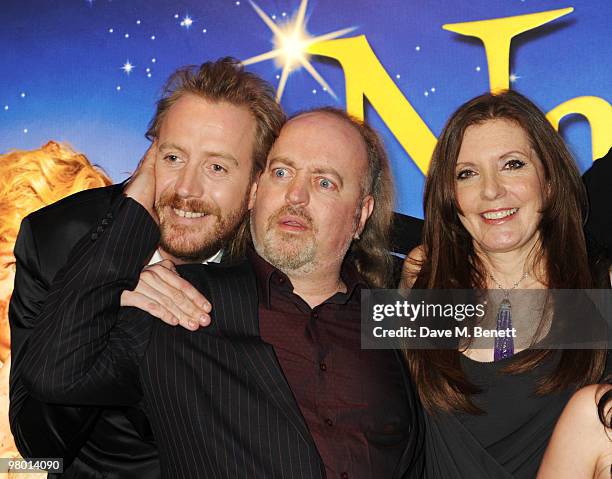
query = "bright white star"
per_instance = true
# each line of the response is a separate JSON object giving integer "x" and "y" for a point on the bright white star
{"x": 127, "y": 67}
{"x": 514, "y": 77}
{"x": 187, "y": 21}
{"x": 291, "y": 41}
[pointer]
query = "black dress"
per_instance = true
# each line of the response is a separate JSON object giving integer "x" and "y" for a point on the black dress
{"x": 506, "y": 442}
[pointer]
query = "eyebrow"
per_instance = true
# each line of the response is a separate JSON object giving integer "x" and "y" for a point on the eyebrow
{"x": 171, "y": 146}
{"x": 218, "y": 154}
{"x": 319, "y": 171}
{"x": 515, "y": 151}
{"x": 225, "y": 156}
{"x": 503, "y": 155}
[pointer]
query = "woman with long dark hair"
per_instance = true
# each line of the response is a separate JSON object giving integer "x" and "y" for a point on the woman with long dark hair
{"x": 504, "y": 207}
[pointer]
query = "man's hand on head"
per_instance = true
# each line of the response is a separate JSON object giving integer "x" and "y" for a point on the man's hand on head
{"x": 141, "y": 186}
{"x": 162, "y": 293}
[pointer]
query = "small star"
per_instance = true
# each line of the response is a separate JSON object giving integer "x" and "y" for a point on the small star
{"x": 137, "y": 22}
{"x": 6, "y": 107}
{"x": 118, "y": 88}
{"x": 148, "y": 75}
{"x": 23, "y": 95}
{"x": 278, "y": 77}
{"x": 127, "y": 67}
{"x": 417, "y": 48}
{"x": 324, "y": 88}
{"x": 398, "y": 76}
{"x": 314, "y": 91}
{"x": 25, "y": 130}
{"x": 273, "y": 17}
{"x": 110, "y": 30}
{"x": 153, "y": 60}
{"x": 148, "y": 70}
{"x": 284, "y": 14}
{"x": 204, "y": 30}
{"x": 433, "y": 89}
{"x": 426, "y": 93}
{"x": 514, "y": 77}
{"x": 237, "y": 3}
{"x": 176, "y": 15}
{"x": 152, "y": 37}
{"x": 127, "y": 35}
{"x": 478, "y": 69}
{"x": 187, "y": 21}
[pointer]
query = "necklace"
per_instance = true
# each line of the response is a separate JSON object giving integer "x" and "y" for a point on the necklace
{"x": 504, "y": 343}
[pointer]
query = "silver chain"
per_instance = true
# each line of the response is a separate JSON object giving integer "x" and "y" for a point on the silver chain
{"x": 514, "y": 286}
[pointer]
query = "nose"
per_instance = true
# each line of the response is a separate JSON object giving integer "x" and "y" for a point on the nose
{"x": 492, "y": 186}
{"x": 297, "y": 192}
{"x": 188, "y": 183}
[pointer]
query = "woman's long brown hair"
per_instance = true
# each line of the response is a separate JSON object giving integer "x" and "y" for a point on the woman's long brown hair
{"x": 450, "y": 261}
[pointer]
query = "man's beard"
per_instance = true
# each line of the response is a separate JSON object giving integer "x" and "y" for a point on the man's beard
{"x": 286, "y": 251}
{"x": 196, "y": 243}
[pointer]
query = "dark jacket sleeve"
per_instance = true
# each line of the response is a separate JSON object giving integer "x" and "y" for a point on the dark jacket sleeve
{"x": 39, "y": 429}
{"x": 85, "y": 349}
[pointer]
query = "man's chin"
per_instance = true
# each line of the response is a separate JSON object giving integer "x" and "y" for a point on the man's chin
{"x": 190, "y": 247}
{"x": 289, "y": 254}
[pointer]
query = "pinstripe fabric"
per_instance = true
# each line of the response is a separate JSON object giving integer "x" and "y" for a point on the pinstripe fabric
{"x": 217, "y": 401}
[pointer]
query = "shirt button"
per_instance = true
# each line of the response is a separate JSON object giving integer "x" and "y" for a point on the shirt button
{"x": 344, "y": 475}
{"x": 281, "y": 280}
{"x": 323, "y": 367}
{"x": 315, "y": 315}
{"x": 329, "y": 422}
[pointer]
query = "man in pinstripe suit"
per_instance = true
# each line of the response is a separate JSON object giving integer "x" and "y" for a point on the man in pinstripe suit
{"x": 215, "y": 124}
{"x": 277, "y": 386}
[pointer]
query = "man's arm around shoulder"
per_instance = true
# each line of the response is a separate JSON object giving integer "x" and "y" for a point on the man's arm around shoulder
{"x": 77, "y": 353}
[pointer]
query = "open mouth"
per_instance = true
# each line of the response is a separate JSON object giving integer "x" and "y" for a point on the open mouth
{"x": 292, "y": 223}
{"x": 499, "y": 214}
{"x": 188, "y": 214}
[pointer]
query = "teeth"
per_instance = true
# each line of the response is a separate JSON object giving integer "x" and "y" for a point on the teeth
{"x": 496, "y": 215}
{"x": 187, "y": 214}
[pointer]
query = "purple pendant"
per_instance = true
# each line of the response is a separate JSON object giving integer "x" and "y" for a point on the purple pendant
{"x": 504, "y": 346}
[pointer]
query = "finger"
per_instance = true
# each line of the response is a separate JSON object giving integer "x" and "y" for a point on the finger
{"x": 138, "y": 300}
{"x": 148, "y": 158}
{"x": 166, "y": 263}
{"x": 168, "y": 303}
{"x": 175, "y": 300}
{"x": 175, "y": 281}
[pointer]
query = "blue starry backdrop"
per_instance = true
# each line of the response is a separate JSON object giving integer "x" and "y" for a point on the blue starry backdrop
{"x": 88, "y": 72}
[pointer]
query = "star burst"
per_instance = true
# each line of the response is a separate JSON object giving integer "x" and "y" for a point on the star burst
{"x": 291, "y": 41}
{"x": 127, "y": 67}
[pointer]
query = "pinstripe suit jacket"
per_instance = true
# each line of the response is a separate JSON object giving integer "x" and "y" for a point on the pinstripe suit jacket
{"x": 217, "y": 400}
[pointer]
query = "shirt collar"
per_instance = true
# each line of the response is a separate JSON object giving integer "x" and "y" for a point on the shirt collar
{"x": 216, "y": 258}
{"x": 265, "y": 273}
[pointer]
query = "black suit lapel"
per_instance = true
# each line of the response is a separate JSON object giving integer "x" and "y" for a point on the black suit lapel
{"x": 232, "y": 290}
{"x": 261, "y": 361}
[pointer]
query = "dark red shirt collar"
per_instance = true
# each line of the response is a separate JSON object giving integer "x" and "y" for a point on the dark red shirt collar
{"x": 266, "y": 273}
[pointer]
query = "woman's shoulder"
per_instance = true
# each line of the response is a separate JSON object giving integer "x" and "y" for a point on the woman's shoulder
{"x": 580, "y": 431}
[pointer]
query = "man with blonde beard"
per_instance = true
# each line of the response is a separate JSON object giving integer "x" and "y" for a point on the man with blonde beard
{"x": 211, "y": 133}
{"x": 277, "y": 385}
